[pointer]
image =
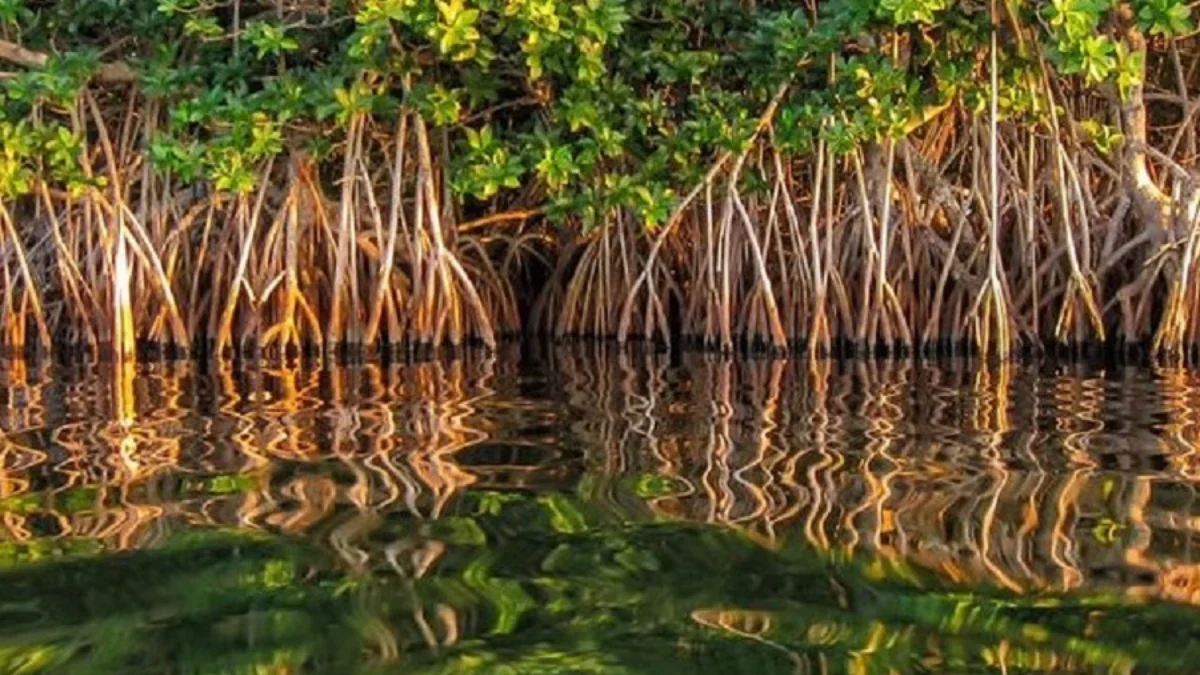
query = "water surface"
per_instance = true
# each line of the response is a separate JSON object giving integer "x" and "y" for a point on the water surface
{"x": 580, "y": 511}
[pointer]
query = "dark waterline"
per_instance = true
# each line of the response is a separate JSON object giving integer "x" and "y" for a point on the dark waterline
{"x": 584, "y": 510}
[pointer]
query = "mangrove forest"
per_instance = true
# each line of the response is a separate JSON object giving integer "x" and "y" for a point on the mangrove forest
{"x": 366, "y": 176}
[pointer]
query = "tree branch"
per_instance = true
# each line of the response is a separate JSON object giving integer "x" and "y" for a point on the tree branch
{"x": 113, "y": 72}
{"x": 507, "y": 216}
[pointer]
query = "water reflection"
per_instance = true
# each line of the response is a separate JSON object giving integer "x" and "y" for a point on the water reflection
{"x": 586, "y": 511}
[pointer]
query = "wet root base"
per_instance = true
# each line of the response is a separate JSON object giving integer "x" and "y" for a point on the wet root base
{"x": 1091, "y": 351}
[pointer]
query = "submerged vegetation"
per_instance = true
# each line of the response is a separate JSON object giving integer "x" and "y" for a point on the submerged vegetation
{"x": 277, "y": 175}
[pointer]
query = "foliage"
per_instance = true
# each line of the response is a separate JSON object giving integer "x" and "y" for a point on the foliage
{"x": 604, "y": 104}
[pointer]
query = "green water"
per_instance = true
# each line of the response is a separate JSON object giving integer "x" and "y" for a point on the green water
{"x": 576, "y": 511}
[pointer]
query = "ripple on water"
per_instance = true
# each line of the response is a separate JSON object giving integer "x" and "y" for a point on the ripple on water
{"x": 576, "y": 510}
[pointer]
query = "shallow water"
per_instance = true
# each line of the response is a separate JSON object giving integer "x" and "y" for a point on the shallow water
{"x": 574, "y": 510}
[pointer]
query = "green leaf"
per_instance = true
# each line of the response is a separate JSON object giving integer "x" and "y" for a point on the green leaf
{"x": 557, "y": 166}
{"x": 11, "y": 11}
{"x": 1104, "y": 137}
{"x": 1168, "y": 18}
{"x": 269, "y": 39}
{"x": 441, "y": 105}
{"x": 912, "y": 11}
{"x": 203, "y": 26}
{"x": 1130, "y": 66}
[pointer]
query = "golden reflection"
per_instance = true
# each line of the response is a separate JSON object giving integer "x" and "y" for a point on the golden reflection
{"x": 979, "y": 474}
